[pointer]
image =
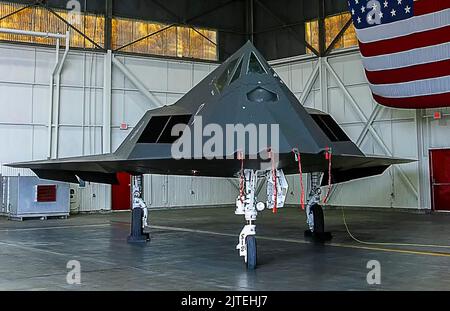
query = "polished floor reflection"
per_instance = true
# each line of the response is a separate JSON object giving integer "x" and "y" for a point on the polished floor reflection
{"x": 194, "y": 249}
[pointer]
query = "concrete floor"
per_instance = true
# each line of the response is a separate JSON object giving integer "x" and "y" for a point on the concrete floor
{"x": 194, "y": 250}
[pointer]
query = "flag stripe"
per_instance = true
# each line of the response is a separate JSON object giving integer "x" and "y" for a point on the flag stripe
{"x": 418, "y": 56}
{"x": 412, "y": 41}
{"x": 414, "y": 88}
{"x": 412, "y": 73}
{"x": 404, "y": 27}
{"x": 423, "y": 7}
{"x": 429, "y": 101}
{"x": 407, "y": 57}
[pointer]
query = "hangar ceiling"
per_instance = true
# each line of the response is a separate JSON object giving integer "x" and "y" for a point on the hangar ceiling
{"x": 277, "y": 28}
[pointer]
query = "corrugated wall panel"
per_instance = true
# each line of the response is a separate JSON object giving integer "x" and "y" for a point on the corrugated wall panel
{"x": 95, "y": 197}
{"x": 179, "y": 191}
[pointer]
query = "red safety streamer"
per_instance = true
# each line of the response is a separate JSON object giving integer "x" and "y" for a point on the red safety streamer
{"x": 302, "y": 188}
{"x": 328, "y": 154}
{"x": 242, "y": 179}
{"x": 274, "y": 173}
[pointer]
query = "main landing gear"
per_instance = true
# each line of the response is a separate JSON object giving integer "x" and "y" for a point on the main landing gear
{"x": 247, "y": 205}
{"x": 314, "y": 213}
{"x": 139, "y": 214}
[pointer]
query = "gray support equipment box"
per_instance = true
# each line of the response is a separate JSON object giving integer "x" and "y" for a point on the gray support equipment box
{"x": 22, "y": 198}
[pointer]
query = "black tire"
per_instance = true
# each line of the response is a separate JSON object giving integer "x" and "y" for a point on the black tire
{"x": 251, "y": 252}
{"x": 319, "y": 221}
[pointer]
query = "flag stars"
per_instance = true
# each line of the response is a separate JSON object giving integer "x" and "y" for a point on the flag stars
{"x": 369, "y": 12}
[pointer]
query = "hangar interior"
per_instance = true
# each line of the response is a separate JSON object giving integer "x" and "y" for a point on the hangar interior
{"x": 83, "y": 91}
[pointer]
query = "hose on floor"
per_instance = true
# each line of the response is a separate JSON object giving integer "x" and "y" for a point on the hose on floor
{"x": 386, "y": 243}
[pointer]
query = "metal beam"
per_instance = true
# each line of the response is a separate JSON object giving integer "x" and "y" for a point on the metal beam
{"x": 291, "y": 30}
{"x": 209, "y": 11}
{"x": 309, "y": 84}
{"x": 232, "y": 181}
{"x": 164, "y": 8}
{"x": 74, "y": 28}
{"x": 424, "y": 199}
{"x": 356, "y": 107}
{"x": 108, "y": 24}
{"x": 19, "y": 10}
{"x": 323, "y": 85}
{"x": 360, "y": 139}
{"x": 154, "y": 101}
{"x": 250, "y": 21}
{"x": 280, "y": 27}
{"x": 369, "y": 123}
{"x": 145, "y": 37}
{"x": 371, "y": 129}
{"x": 208, "y": 39}
{"x": 181, "y": 22}
{"x": 186, "y": 22}
{"x": 338, "y": 36}
{"x": 321, "y": 26}
{"x": 107, "y": 102}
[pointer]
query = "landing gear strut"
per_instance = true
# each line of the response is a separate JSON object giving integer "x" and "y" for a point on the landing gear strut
{"x": 314, "y": 213}
{"x": 139, "y": 214}
{"x": 246, "y": 205}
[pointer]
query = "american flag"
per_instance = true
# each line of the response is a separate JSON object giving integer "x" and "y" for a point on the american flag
{"x": 405, "y": 48}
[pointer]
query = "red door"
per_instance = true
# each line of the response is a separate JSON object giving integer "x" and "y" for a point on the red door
{"x": 121, "y": 193}
{"x": 440, "y": 179}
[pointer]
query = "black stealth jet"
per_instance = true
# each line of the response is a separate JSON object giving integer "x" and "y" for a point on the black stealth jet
{"x": 243, "y": 90}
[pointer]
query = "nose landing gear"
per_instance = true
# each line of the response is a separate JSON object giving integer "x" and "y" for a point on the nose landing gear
{"x": 246, "y": 205}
